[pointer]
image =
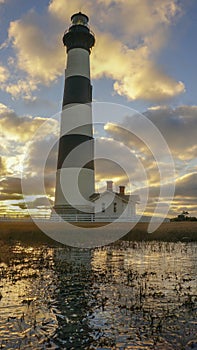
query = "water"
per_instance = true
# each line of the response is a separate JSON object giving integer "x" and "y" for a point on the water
{"x": 124, "y": 296}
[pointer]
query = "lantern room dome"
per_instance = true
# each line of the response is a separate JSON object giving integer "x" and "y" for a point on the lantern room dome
{"x": 79, "y": 19}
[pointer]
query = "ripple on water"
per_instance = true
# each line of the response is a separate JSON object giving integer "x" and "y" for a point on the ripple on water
{"x": 131, "y": 296}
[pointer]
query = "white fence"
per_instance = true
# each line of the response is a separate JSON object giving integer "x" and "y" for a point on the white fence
{"x": 66, "y": 217}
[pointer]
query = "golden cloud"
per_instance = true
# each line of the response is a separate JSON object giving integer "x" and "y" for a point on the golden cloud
{"x": 135, "y": 75}
{"x": 177, "y": 126}
{"x": 11, "y": 186}
{"x": 4, "y": 74}
{"x": 36, "y": 55}
{"x": 39, "y": 202}
{"x": 3, "y": 166}
{"x": 129, "y": 16}
{"x": 126, "y": 56}
{"x": 21, "y": 89}
{"x": 148, "y": 83}
{"x": 64, "y": 9}
{"x": 23, "y": 128}
{"x": 186, "y": 186}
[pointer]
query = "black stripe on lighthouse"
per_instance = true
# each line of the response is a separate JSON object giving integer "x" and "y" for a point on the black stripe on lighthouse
{"x": 68, "y": 145}
{"x": 77, "y": 89}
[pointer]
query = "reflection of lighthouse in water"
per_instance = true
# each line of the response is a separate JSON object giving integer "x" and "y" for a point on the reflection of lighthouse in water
{"x": 73, "y": 281}
{"x": 75, "y": 168}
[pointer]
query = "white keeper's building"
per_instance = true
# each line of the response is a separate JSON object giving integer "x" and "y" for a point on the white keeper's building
{"x": 110, "y": 205}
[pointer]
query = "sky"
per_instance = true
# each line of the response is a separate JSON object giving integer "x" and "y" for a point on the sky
{"x": 144, "y": 60}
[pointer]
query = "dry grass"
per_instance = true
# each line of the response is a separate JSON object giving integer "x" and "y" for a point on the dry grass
{"x": 28, "y": 232}
{"x": 167, "y": 231}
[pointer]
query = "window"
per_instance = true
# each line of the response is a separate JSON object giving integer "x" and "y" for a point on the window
{"x": 103, "y": 207}
{"x": 115, "y": 207}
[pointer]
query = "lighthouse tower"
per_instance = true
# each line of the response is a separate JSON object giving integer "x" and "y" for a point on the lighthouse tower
{"x": 75, "y": 167}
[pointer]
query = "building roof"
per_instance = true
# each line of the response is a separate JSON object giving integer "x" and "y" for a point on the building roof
{"x": 124, "y": 197}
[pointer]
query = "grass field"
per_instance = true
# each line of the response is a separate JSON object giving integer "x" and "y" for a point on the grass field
{"x": 28, "y": 232}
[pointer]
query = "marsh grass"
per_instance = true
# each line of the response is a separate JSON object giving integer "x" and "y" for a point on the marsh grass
{"x": 28, "y": 232}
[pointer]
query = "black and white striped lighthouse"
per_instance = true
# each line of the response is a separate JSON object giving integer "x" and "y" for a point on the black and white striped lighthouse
{"x": 75, "y": 168}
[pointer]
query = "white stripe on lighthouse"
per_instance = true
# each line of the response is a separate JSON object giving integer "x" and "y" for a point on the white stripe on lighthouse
{"x": 76, "y": 196}
{"x": 77, "y": 119}
{"x": 78, "y": 63}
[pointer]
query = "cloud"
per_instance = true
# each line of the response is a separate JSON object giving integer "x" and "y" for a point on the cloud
{"x": 141, "y": 152}
{"x": 35, "y": 158}
{"x": 184, "y": 197}
{"x": 32, "y": 185}
{"x": 37, "y": 163}
{"x": 124, "y": 151}
{"x": 133, "y": 66}
{"x": 23, "y": 128}
{"x": 186, "y": 186}
{"x": 136, "y": 75}
{"x": 10, "y": 197}
{"x": 63, "y": 10}
{"x": 3, "y": 166}
{"x": 114, "y": 161}
{"x": 149, "y": 83}
{"x": 24, "y": 139}
{"x": 124, "y": 15}
{"x": 39, "y": 54}
{"x": 4, "y": 74}
{"x": 11, "y": 186}
{"x": 23, "y": 88}
{"x": 178, "y": 126}
{"x": 129, "y": 35}
{"x": 11, "y": 80}
{"x": 38, "y": 203}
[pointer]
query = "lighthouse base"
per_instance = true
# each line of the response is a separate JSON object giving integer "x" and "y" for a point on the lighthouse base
{"x": 72, "y": 214}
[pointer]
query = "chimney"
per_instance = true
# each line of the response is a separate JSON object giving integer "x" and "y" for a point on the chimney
{"x": 121, "y": 190}
{"x": 110, "y": 186}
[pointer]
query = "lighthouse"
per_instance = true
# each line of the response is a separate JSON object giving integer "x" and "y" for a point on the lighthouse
{"x": 75, "y": 165}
